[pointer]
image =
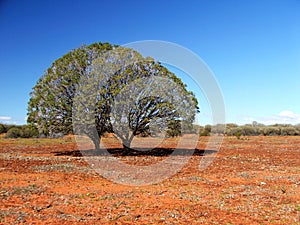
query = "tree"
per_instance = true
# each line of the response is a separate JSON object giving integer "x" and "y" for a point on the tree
{"x": 152, "y": 103}
{"x": 135, "y": 95}
{"x": 99, "y": 88}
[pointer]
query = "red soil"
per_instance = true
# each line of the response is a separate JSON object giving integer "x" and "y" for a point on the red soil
{"x": 251, "y": 181}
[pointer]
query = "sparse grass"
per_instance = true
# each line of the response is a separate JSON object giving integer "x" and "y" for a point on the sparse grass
{"x": 34, "y": 141}
{"x": 22, "y": 190}
{"x": 18, "y": 216}
{"x": 63, "y": 167}
{"x": 9, "y": 156}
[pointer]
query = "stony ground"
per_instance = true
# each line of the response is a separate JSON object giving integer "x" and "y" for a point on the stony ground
{"x": 251, "y": 181}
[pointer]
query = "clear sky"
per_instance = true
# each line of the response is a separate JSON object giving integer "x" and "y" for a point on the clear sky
{"x": 253, "y": 47}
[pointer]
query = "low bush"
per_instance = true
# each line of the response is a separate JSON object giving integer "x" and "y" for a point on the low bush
{"x": 255, "y": 129}
{"x": 289, "y": 131}
{"x": 237, "y": 132}
{"x": 29, "y": 132}
{"x": 2, "y": 129}
{"x": 204, "y": 133}
{"x": 22, "y": 132}
{"x": 14, "y": 132}
{"x": 270, "y": 131}
{"x": 249, "y": 131}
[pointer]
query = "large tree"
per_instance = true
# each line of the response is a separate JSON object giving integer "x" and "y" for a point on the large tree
{"x": 106, "y": 88}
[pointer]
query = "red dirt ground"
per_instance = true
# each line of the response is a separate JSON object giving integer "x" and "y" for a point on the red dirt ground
{"x": 251, "y": 181}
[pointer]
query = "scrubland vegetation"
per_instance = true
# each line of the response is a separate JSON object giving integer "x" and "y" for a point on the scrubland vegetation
{"x": 255, "y": 129}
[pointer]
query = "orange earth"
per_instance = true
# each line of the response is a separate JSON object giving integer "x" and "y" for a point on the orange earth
{"x": 254, "y": 180}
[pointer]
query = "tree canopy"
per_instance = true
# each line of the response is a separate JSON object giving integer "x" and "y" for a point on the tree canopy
{"x": 105, "y": 88}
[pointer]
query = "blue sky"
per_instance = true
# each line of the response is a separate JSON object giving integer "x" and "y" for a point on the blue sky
{"x": 252, "y": 47}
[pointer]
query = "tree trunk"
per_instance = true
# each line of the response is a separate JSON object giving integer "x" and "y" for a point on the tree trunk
{"x": 126, "y": 148}
{"x": 126, "y": 142}
{"x": 97, "y": 145}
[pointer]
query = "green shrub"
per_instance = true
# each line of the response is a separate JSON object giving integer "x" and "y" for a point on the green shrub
{"x": 204, "y": 133}
{"x": 218, "y": 129}
{"x": 198, "y": 128}
{"x": 228, "y": 131}
{"x": 22, "y": 132}
{"x": 256, "y": 129}
{"x": 174, "y": 128}
{"x": 231, "y": 125}
{"x": 289, "y": 131}
{"x": 208, "y": 128}
{"x": 9, "y": 126}
{"x": 237, "y": 131}
{"x": 29, "y": 132}
{"x": 271, "y": 131}
{"x": 14, "y": 132}
{"x": 2, "y": 129}
{"x": 173, "y": 133}
{"x": 249, "y": 131}
{"x": 238, "y": 134}
{"x": 298, "y": 128}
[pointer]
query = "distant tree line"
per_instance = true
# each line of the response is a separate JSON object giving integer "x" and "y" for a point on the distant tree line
{"x": 174, "y": 129}
{"x": 18, "y": 131}
{"x": 254, "y": 129}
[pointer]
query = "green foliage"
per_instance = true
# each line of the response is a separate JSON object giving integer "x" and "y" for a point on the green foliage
{"x": 297, "y": 126}
{"x": 174, "y": 128}
{"x": 256, "y": 129}
{"x": 14, "y": 132}
{"x": 248, "y": 130}
{"x": 105, "y": 76}
{"x": 235, "y": 131}
{"x": 2, "y": 129}
{"x": 145, "y": 96}
{"x": 231, "y": 125}
{"x": 238, "y": 134}
{"x": 204, "y": 133}
{"x": 9, "y": 126}
{"x": 208, "y": 128}
{"x": 289, "y": 131}
{"x": 25, "y": 131}
{"x": 270, "y": 131}
{"x": 29, "y": 131}
{"x": 50, "y": 105}
{"x": 218, "y": 129}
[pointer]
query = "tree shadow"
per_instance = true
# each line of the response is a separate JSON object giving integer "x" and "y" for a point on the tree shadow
{"x": 161, "y": 152}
